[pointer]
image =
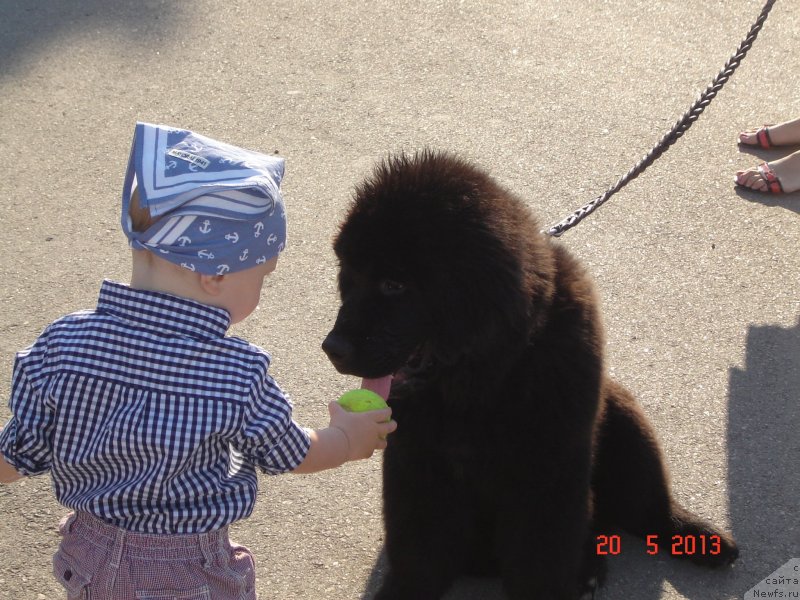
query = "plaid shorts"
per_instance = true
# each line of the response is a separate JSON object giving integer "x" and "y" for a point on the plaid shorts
{"x": 97, "y": 561}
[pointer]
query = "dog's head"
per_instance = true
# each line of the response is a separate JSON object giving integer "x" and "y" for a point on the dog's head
{"x": 431, "y": 260}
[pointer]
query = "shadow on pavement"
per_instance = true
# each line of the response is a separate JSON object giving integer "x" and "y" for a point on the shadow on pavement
{"x": 764, "y": 449}
{"x": 29, "y": 26}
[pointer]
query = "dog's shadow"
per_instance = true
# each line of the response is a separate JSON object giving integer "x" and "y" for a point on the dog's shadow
{"x": 473, "y": 588}
{"x": 631, "y": 574}
{"x": 764, "y": 490}
{"x": 466, "y": 588}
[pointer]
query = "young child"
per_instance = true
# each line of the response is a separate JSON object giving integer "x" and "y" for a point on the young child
{"x": 150, "y": 420}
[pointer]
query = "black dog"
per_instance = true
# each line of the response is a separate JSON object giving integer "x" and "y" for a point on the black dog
{"x": 514, "y": 450}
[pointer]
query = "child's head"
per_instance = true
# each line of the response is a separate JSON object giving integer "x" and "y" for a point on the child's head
{"x": 205, "y": 219}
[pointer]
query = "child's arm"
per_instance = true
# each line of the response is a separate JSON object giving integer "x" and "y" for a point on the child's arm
{"x": 8, "y": 474}
{"x": 350, "y": 436}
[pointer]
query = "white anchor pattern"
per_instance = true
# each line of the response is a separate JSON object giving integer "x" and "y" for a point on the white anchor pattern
{"x": 215, "y": 255}
{"x": 217, "y": 208}
{"x": 212, "y": 249}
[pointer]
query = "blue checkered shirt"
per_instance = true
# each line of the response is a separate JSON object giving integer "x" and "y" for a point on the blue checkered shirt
{"x": 148, "y": 416}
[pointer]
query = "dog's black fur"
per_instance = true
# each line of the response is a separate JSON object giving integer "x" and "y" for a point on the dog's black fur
{"x": 514, "y": 449}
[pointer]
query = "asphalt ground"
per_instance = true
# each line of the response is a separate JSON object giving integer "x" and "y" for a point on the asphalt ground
{"x": 558, "y": 98}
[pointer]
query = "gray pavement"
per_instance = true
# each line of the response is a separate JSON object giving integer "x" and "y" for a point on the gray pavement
{"x": 558, "y": 98}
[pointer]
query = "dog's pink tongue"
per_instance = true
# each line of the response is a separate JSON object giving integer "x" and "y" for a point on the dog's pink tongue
{"x": 380, "y": 386}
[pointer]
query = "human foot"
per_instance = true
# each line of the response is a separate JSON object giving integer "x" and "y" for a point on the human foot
{"x": 782, "y": 134}
{"x": 781, "y": 176}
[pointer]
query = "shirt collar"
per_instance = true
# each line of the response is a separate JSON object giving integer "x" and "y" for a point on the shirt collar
{"x": 163, "y": 312}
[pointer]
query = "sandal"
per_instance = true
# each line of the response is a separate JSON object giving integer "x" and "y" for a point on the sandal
{"x": 774, "y": 185}
{"x": 762, "y": 138}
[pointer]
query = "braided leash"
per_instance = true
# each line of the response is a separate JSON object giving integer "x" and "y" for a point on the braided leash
{"x": 672, "y": 136}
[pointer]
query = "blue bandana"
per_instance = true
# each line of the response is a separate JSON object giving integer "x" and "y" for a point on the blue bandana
{"x": 218, "y": 208}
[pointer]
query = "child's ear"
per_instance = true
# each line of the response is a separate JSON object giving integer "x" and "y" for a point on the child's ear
{"x": 212, "y": 284}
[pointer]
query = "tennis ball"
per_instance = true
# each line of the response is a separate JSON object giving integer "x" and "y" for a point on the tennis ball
{"x": 361, "y": 401}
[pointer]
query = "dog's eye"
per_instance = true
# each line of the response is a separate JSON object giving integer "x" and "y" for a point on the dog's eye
{"x": 390, "y": 287}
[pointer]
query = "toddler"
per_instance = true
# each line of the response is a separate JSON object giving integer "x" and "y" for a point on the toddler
{"x": 149, "y": 418}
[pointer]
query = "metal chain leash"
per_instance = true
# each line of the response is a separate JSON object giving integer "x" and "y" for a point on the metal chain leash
{"x": 680, "y": 127}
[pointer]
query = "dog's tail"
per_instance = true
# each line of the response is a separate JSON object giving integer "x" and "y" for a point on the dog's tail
{"x": 686, "y": 535}
{"x": 631, "y": 488}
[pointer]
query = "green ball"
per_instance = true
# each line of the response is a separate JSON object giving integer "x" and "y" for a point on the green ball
{"x": 361, "y": 401}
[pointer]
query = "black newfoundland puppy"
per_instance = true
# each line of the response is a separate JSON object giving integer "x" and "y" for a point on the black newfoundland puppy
{"x": 514, "y": 449}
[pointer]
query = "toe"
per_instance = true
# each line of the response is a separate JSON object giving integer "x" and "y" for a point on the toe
{"x": 751, "y": 178}
{"x": 748, "y": 137}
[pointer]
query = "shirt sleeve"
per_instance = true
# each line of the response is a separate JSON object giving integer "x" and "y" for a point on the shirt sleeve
{"x": 269, "y": 437}
{"x": 26, "y": 440}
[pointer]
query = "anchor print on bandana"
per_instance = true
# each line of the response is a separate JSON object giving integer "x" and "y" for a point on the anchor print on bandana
{"x": 216, "y": 208}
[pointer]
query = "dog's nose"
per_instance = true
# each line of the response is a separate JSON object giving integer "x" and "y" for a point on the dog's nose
{"x": 337, "y": 348}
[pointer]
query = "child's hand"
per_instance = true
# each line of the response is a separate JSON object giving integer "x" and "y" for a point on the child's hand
{"x": 350, "y": 436}
{"x": 365, "y": 431}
